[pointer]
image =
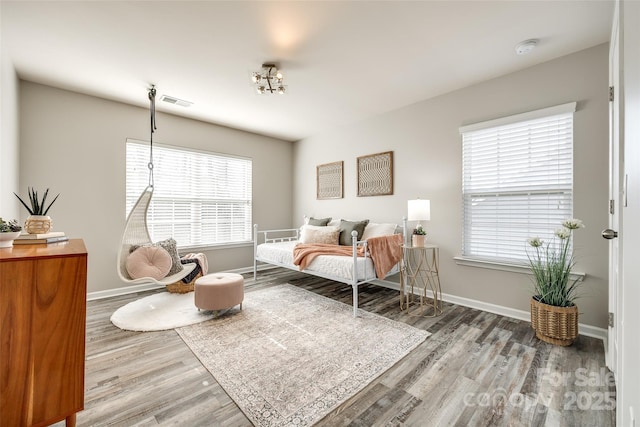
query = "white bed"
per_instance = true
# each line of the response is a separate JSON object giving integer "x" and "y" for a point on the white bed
{"x": 276, "y": 248}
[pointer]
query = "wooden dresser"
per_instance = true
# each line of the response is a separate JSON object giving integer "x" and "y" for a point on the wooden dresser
{"x": 42, "y": 333}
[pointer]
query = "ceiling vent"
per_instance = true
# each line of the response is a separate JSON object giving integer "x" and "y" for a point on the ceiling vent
{"x": 175, "y": 101}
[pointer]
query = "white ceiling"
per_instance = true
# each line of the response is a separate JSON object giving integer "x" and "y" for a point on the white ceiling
{"x": 343, "y": 61}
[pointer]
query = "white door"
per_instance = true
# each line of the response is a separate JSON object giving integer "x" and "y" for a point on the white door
{"x": 615, "y": 195}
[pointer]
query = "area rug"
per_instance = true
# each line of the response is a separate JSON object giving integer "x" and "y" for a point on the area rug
{"x": 158, "y": 312}
{"x": 290, "y": 356}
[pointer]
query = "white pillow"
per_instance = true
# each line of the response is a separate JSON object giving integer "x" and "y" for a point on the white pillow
{"x": 378, "y": 229}
{"x": 315, "y": 234}
{"x": 334, "y": 223}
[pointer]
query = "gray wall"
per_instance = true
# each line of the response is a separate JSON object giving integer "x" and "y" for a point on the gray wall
{"x": 9, "y": 136}
{"x": 75, "y": 144}
{"x": 427, "y": 164}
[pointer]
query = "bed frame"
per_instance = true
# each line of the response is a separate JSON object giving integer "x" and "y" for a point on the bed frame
{"x": 292, "y": 234}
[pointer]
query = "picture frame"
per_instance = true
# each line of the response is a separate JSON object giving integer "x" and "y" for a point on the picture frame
{"x": 330, "y": 181}
{"x": 375, "y": 174}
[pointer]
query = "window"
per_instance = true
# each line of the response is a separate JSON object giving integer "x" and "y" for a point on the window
{"x": 517, "y": 181}
{"x": 199, "y": 198}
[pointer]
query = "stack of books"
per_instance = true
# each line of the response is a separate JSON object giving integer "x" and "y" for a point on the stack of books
{"x": 31, "y": 239}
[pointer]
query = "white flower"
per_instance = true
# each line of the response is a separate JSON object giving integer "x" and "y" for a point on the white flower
{"x": 563, "y": 233}
{"x": 572, "y": 223}
{"x": 536, "y": 242}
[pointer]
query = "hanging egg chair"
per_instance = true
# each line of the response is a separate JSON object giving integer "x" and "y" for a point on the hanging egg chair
{"x": 136, "y": 231}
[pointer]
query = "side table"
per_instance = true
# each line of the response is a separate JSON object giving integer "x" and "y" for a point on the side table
{"x": 419, "y": 272}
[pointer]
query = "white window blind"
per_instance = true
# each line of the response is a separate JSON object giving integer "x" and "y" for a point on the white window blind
{"x": 199, "y": 198}
{"x": 517, "y": 182}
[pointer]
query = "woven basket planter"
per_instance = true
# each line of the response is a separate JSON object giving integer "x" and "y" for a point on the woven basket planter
{"x": 38, "y": 224}
{"x": 180, "y": 287}
{"x": 555, "y": 325}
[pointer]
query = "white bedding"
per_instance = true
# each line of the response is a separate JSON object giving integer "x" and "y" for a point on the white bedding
{"x": 333, "y": 265}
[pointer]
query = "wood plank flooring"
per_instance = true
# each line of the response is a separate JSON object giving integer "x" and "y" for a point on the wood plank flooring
{"x": 476, "y": 369}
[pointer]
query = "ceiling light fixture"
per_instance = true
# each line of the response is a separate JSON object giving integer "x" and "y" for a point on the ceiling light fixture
{"x": 526, "y": 46}
{"x": 268, "y": 80}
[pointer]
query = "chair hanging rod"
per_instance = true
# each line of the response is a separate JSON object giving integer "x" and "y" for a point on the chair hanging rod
{"x": 152, "y": 111}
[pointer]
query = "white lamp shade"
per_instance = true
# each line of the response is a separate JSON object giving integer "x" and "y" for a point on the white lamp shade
{"x": 419, "y": 210}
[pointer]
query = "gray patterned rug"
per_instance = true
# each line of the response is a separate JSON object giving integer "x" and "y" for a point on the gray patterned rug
{"x": 290, "y": 356}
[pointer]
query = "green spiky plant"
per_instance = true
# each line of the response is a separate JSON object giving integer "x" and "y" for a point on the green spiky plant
{"x": 37, "y": 206}
{"x": 551, "y": 268}
{"x": 9, "y": 226}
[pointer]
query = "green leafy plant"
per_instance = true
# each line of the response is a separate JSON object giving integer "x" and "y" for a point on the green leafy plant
{"x": 37, "y": 206}
{"x": 419, "y": 231}
{"x": 9, "y": 226}
{"x": 551, "y": 266}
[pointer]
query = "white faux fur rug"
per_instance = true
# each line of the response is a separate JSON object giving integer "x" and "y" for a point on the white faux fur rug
{"x": 158, "y": 312}
{"x": 290, "y": 357}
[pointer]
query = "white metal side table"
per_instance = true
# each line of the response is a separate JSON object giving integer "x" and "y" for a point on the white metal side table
{"x": 419, "y": 272}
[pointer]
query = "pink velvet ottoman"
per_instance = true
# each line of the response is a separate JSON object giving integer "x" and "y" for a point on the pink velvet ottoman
{"x": 218, "y": 291}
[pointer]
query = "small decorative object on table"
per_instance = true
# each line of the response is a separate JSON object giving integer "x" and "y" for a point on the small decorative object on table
{"x": 554, "y": 314}
{"x": 9, "y": 230}
{"x": 38, "y": 221}
{"x": 419, "y": 237}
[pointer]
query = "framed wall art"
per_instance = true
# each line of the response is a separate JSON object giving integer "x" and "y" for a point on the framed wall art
{"x": 375, "y": 174}
{"x": 329, "y": 181}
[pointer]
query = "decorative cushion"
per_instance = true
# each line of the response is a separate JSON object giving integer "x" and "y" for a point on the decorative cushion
{"x": 148, "y": 261}
{"x": 374, "y": 229}
{"x": 319, "y": 234}
{"x": 320, "y": 222}
{"x": 171, "y": 246}
{"x": 346, "y": 227}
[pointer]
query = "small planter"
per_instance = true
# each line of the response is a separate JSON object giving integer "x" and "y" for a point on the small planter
{"x": 418, "y": 240}
{"x": 555, "y": 325}
{"x": 6, "y": 239}
{"x": 37, "y": 224}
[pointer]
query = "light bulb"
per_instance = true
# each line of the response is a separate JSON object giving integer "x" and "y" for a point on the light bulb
{"x": 279, "y": 75}
{"x": 281, "y": 90}
{"x": 255, "y": 77}
{"x": 260, "y": 90}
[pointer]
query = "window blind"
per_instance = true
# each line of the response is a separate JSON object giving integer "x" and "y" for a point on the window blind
{"x": 199, "y": 198}
{"x": 517, "y": 183}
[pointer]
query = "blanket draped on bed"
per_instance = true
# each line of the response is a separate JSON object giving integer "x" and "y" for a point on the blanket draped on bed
{"x": 385, "y": 252}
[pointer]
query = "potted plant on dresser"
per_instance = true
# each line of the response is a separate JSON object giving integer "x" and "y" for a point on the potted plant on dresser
{"x": 554, "y": 314}
{"x": 38, "y": 221}
{"x": 9, "y": 230}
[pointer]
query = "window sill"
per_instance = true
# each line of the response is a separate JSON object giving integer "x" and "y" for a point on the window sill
{"x": 204, "y": 248}
{"x": 512, "y": 267}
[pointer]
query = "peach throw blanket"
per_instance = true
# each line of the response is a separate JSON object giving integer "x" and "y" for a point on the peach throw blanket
{"x": 385, "y": 252}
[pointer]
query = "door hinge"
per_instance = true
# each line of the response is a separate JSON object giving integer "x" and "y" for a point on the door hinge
{"x": 612, "y": 206}
{"x": 611, "y": 94}
{"x": 610, "y": 320}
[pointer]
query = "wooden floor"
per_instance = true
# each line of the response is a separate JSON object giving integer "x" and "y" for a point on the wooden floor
{"x": 476, "y": 369}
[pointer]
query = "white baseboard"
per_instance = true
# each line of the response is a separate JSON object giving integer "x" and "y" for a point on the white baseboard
{"x": 587, "y": 330}
{"x": 91, "y": 296}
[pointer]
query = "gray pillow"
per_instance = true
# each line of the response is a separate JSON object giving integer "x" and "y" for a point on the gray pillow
{"x": 319, "y": 222}
{"x": 171, "y": 246}
{"x": 346, "y": 227}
